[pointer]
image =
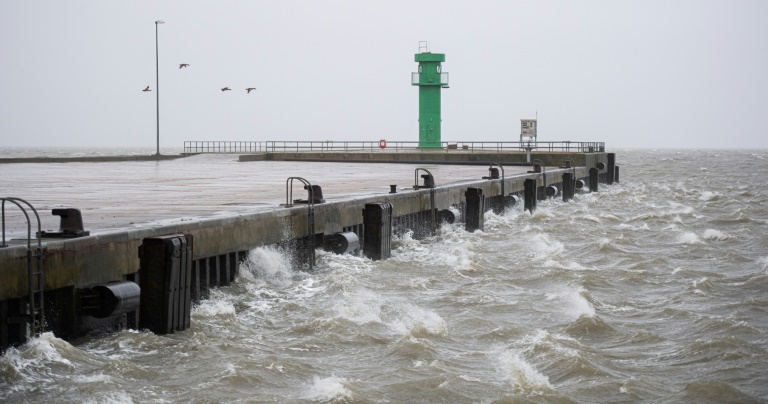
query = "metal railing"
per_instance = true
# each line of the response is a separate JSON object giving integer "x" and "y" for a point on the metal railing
{"x": 221, "y": 146}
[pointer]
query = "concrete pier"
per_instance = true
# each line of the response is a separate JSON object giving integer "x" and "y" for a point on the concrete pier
{"x": 227, "y": 207}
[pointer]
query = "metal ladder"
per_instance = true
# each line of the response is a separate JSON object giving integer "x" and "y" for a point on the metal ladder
{"x": 35, "y": 279}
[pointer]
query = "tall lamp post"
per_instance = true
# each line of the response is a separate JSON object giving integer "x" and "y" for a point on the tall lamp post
{"x": 157, "y": 84}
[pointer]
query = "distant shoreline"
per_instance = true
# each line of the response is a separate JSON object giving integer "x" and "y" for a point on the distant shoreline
{"x": 89, "y": 159}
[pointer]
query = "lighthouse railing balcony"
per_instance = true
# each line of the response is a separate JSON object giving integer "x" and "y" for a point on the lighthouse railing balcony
{"x": 444, "y": 79}
{"x": 416, "y": 79}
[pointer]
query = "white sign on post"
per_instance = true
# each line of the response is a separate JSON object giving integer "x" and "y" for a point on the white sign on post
{"x": 528, "y": 128}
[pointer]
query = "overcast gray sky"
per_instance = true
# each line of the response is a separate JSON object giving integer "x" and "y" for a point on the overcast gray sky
{"x": 634, "y": 73}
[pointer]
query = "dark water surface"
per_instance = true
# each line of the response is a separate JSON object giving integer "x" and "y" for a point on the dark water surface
{"x": 654, "y": 289}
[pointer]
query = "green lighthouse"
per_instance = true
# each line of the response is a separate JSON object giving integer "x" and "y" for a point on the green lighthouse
{"x": 431, "y": 79}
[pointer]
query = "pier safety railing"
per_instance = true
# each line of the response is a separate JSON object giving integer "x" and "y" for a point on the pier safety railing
{"x": 222, "y": 146}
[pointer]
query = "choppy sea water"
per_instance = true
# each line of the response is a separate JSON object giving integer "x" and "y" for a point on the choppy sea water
{"x": 653, "y": 289}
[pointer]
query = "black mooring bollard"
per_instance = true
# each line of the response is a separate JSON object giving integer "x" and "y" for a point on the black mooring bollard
{"x": 377, "y": 236}
{"x": 530, "y": 194}
{"x": 568, "y": 186}
{"x": 475, "y": 209}
{"x": 393, "y": 189}
{"x": 593, "y": 179}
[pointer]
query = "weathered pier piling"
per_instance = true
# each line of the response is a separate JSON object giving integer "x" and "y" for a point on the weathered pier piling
{"x": 148, "y": 277}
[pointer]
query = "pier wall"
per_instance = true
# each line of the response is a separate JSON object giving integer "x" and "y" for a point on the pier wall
{"x": 108, "y": 256}
{"x": 549, "y": 159}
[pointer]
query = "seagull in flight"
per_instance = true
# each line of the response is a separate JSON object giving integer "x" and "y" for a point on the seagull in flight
{"x": 146, "y": 89}
{"x": 249, "y": 89}
{"x": 226, "y": 89}
{"x": 183, "y": 65}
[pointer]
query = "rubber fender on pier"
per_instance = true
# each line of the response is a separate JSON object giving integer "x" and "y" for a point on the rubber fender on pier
{"x": 568, "y": 186}
{"x": 594, "y": 179}
{"x": 580, "y": 184}
{"x": 116, "y": 298}
{"x": 450, "y": 215}
{"x": 342, "y": 243}
{"x": 552, "y": 190}
{"x": 600, "y": 165}
{"x": 377, "y": 233}
{"x": 474, "y": 209}
{"x": 511, "y": 200}
{"x": 530, "y": 194}
{"x": 165, "y": 273}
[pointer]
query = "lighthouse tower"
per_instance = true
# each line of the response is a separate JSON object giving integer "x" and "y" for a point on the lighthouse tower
{"x": 431, "y": 80}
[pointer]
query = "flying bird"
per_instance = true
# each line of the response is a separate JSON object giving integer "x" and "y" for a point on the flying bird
{"x": 146, "y": 89}
{"x": 249, "y": 89}
{"x": 183, "y": 65}
{"x": 226, "y": 89}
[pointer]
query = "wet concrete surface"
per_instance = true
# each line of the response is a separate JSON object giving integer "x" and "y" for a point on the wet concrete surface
{"x": 127, "y": 194}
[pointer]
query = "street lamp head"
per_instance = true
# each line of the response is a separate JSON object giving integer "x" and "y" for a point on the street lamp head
{"x": 159, "y": 22}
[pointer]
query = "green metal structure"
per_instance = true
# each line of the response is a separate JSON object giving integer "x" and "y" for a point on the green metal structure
{"x": 431, "y": 79}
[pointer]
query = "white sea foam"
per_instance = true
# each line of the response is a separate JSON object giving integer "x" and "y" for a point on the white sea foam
{"x": 118, "y": 397}
{"x": 764, "y": 263}
{"x": 520, "y": 374}
{"x": 680, "y": 209}
{"x": 543, "y": 339}
{"x": 214, "y": 308}
{"x": 573, "y": 302}
{"x": 415, "y": 321}
{"x": 688, "y": 238}
{"x": 95, "y": 378}
{"x": 568, "y": 265}
{"x": 716, "y": 235}
{"x": 588, "y": 218}
{"x": 360, "y": 306}
{"x": 270, "y": 265}
{"x": 643, "y": 226}
{"x": 709, "y": 196}
{"x": 327, "y": 389}
{"x": 702, "y": 285}
{"x": 47, "y": 349}
{"x": 347, "y": 263}
{"x": 452, "y": 250}
{"x": 542, "y": 245}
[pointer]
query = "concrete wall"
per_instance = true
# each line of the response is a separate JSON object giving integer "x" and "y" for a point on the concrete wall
{"x": 550, "y": 159}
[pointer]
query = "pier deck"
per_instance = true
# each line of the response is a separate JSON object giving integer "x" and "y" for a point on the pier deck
{"x": 127, "y": 195}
